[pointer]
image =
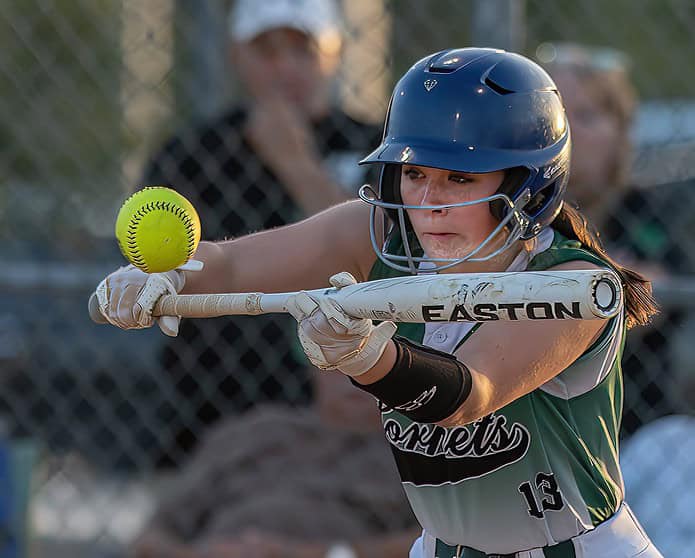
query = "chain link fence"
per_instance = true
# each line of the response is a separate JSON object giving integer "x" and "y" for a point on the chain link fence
{"x": 99, "y": 419}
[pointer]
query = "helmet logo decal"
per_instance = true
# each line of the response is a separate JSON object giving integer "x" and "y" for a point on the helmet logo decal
{"x": 555, "y": 167}
{"x": 550, "y": 171}
{"x": 406, "y": 154}
{"x": 430, "y": 84}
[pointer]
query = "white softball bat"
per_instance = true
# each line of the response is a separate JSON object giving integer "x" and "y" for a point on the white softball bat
{"x": 477, "y": 297}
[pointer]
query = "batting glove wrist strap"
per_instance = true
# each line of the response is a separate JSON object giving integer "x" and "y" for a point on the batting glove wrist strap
{"x": 425, "y": 385}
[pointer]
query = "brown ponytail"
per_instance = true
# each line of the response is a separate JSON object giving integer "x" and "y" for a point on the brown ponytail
{"x": 639, "y": 302}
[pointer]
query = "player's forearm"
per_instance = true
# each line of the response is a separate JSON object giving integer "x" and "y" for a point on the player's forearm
{"x": 214, "y": 277}
{"x": 211, "y": 278}
{"x": 477, "y": 405}
{"x": 260, "y": 262}
{"x": 382, "y": 367}
{"x": 471, "y": 410}
{"x": 290, "y": 258}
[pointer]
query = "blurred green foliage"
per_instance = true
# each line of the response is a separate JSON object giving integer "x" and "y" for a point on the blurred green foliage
{"x": 60, "y": 122}
{"x": 657, "y": 35}
{"x": 59, "y": 84}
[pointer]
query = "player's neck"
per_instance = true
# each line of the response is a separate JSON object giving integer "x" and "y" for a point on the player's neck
{"x": 501, "y": 262}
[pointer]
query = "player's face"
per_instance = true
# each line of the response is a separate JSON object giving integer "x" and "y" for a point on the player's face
{"x": 455, "y": 232}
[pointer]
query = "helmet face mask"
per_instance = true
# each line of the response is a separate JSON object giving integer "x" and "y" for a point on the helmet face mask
{"x": 473, "y": 110}
{"x": 514, "y": 221}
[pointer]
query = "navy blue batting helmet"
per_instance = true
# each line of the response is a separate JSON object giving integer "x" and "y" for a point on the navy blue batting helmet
{"x": 476, "y": 110}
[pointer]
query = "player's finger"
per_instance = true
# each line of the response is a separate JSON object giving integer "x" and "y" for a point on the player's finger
{"x": 301, "y": 306}
{"x": 192, "y": 265}
{"x": 108, "y": 301}
{"x": 123, "y": 311}
{"x": 340, "y": 321}
{"x": 312, "y": 349}
{"x": 169, "y": 325}
{"x": 384, "y": 331}
{"x": 148, "y": 296}
{"x": 342, "y": 279}
{"x": 102, "y": 295}
{"x": 94, "y": 309}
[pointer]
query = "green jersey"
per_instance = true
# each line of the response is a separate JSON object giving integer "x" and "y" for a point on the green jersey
{"x": 538, "y": 471}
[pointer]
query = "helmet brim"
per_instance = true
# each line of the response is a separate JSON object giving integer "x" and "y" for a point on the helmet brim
{"x": 451, "y": 157}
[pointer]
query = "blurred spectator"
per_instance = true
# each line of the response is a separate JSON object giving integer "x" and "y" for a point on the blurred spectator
{"x": 600, "y": 102}
{"x": 287, "y": 152}
{"x": 635, "y": 224}
{"x": 287, "y": 482}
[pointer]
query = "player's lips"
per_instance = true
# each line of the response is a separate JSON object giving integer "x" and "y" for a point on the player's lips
{"x": 439, "y": 234}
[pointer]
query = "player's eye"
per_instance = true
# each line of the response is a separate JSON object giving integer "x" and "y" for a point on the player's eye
{"x": 412, "y": 173}
{"x": 459, "y": 179}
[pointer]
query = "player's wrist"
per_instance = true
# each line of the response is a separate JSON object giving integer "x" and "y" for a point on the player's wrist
{"x": 424, "y": 384}
{"x": 379, "y": 362}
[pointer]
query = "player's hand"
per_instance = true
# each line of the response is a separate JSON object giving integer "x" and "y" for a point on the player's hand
{"x": 331, "y": 338}
{"x": 128, "y": 295}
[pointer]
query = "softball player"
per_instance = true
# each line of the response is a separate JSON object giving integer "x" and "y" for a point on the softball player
{"x": 505, "y": 433}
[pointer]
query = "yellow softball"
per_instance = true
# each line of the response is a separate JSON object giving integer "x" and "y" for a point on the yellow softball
{"x": 157, "y": 229}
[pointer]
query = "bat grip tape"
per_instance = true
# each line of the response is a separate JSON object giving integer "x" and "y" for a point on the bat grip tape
{"x": 425, "y": 385}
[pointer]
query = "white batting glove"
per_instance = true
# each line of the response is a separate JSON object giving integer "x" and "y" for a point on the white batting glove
{"x": 331, "y": 338}
{"x": 128, "y": 295}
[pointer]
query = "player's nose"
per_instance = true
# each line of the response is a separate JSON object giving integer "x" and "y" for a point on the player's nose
{"x": 433, "y": 193}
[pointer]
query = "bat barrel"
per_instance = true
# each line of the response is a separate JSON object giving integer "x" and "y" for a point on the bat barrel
{"x": 566, "y": 294}
{"x": 607, "y": 295}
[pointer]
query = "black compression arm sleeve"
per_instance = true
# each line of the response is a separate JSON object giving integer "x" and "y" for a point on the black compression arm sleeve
{"x": 425, "y": 384}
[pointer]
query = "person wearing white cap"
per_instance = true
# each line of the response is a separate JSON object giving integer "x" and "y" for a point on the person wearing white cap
{"x": 286, "y": 151}
{"x": 318, "y": 19}
{"x": 286, "y": 53}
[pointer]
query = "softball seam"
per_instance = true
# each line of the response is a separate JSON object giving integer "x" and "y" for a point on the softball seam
{"x": 134, "y": 222}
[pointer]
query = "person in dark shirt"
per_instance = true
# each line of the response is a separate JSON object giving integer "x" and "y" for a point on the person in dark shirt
{"x": 641, "y": 227}
{"x": 287, "y": 152}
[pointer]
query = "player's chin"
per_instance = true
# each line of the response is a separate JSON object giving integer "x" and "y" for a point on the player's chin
{"x": 445, "y": 246}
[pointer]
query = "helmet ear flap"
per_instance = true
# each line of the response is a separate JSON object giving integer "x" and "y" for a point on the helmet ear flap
{"x": 537, "y": 206}
{"x": 513, "y": 179}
